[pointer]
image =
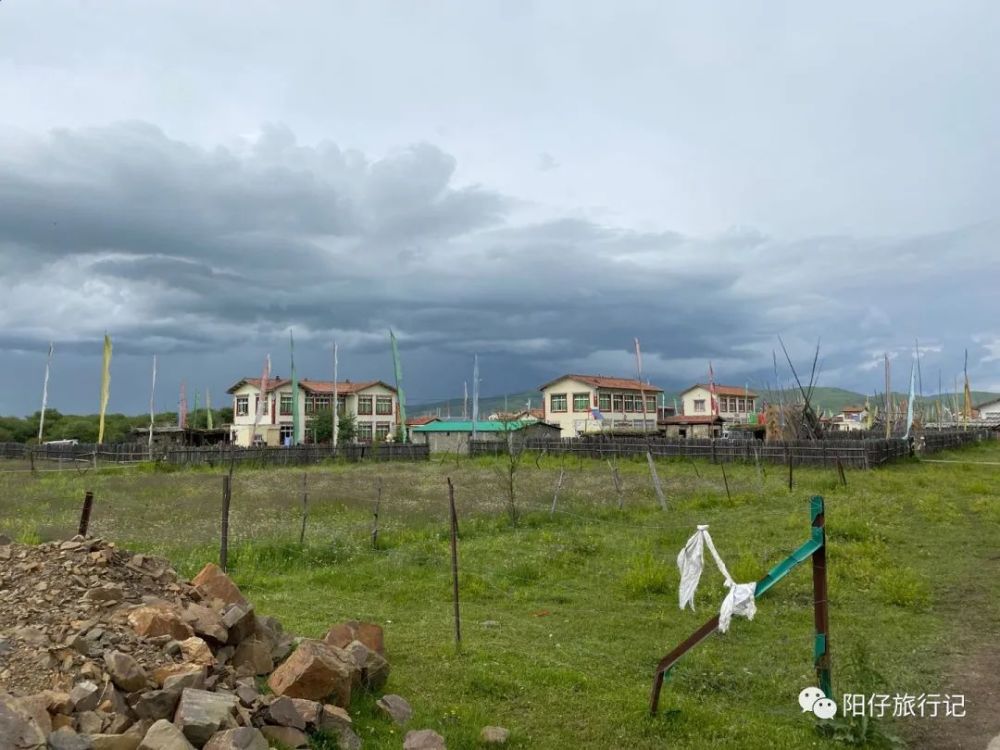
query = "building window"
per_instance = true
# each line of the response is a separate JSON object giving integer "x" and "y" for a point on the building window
{"x": 383, "y": 404}
{"x": 699, "y": 405}
{"x": 651, "y": 404}
{"x": 316, "y": 404}
{"x": 365, "y": 405}
{"x": 285, "y": 433}
{"x": 242, "y": 406}
{"x": 618, "y": 401}
{"x": 557, "y": 402}
{"x": 341, "y": 405}
{"x": 285, "y": 405}
{"x": 604, "y": 401}
{"x": 630, "y": 404}
{"x": 581, "y": 402}
{"x": 741, "y": 404}
{"x": 381, "y": 430}
{"x": 257, "y": 404}
{"x": 365, "y": 432}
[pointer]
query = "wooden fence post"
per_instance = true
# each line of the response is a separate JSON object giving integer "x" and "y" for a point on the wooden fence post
{"x": 656, "y": 481}
{"x": 788, "y": 453}
{"x": 726, "y": 480}
{"x": 821, "y": 604}
{"x": 227, "y": 488}
{"x": 454, "y": 562}
{"x": 840, "y": 472}
{"x": 555, "y": 495}
{"x": 378, "y": 502}
{"x": 305, "y": 509}
{"x": 88, "y": 504}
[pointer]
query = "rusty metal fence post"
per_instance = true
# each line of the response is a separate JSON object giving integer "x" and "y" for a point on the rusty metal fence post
{"x": 88, "y": 504}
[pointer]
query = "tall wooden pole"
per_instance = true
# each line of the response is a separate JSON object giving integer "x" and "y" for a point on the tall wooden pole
{"x": 224, "y": 537}
{"x": 454, "y": 562}
{"x": 378, "y": 503}
{"x": 555, "y": 495}
{"x": 726, "y": 480}
{"x": 305, "y": 509}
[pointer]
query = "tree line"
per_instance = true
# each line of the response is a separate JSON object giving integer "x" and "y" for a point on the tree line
{"x": 84, "y": 427}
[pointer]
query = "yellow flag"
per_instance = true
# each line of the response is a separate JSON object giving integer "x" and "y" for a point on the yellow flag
{"x": 105, "y": 386}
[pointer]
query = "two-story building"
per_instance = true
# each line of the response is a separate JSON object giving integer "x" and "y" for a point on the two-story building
{"x": 579, "y": 404}
{"x": 372, "y": 403}
{"x": 735, "y": 403}
{"x": 849, "y": 419}
{"x": 989, "y": 409}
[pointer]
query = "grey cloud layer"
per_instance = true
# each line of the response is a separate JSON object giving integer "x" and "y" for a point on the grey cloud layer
{"x": 177, "y": 248}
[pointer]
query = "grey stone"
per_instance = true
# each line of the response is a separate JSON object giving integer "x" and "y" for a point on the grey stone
{"x": 284, "y": 713}
{"x": 423, "y": 739}
{"x": 157, "y": 704}
{"x": 333, "y": 718}
{"x": 243, "y": 738}
{"x": 287, "y": 736}
{"x": 247, "y": 694}
{"x": 191, "y": 679}
{"x": 125, "y": 671}
{"x": 165, "y": 736}
{"x": 240, "y": 622}
{"x": 125, "y": 741}
{"x": 17, "y": 729}
{"x": 376, "y": 671}
{"x": 494, "y": 736}
{"x": 67, "y": 739}
{"x": 348, "y": 740}
{"x": 85, "y": 696}
{"x": 200, "y": 714}
{"x": 396, "y": 707}
{"x": 89, "y": 722}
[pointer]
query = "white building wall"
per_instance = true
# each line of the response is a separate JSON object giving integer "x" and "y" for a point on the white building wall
{"x": 270, "y": 426}
{"x": 573, "y": 422}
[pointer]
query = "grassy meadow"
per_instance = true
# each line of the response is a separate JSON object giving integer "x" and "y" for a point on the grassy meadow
{"x": 565, "y": 615}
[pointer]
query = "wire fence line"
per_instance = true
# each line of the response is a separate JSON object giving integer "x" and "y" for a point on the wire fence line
{"x": 862, "y": 453}
{"x": 217, "y": 455}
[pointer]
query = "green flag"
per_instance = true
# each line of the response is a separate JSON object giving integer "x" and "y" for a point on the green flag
{"x": 296, "y": 426}
{"x": 398, "y": 367}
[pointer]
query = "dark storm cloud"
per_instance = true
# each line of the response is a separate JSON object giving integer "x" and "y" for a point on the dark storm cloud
{"x": 212, "y": 255}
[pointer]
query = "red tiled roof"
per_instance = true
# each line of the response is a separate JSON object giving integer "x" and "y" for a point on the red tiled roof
{"x": 326, "y": 386}
{"x": 426, "y": 419}
{"x": 725, "y": 390}
{"x": 602, "y": 381}
{"x": 312, "y": 386}
{"x": 852, "y": 409}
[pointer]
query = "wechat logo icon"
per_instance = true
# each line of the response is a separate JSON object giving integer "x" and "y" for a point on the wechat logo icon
{"x": 815, "y": 700}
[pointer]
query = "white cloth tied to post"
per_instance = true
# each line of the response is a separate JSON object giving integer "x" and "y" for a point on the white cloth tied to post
{"x": 691, "y": 561}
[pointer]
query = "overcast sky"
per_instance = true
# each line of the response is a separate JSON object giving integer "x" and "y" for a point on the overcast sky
{"x": 538, "y": 182}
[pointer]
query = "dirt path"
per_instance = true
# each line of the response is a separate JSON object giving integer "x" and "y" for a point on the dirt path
{"x": 974, "y": 655}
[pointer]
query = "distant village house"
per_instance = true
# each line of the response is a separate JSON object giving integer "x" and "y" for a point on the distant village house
{"x": 580, "y": 404}
{"x": 373, "y": 404}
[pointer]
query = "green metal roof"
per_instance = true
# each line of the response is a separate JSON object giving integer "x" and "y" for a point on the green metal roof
{"x": 466, "y": 426}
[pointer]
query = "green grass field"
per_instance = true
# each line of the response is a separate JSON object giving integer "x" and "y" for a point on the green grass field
{"x": 565, "y": 616}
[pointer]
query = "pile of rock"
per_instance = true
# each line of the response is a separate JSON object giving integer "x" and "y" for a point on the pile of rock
{"x": 104, "y": 650}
